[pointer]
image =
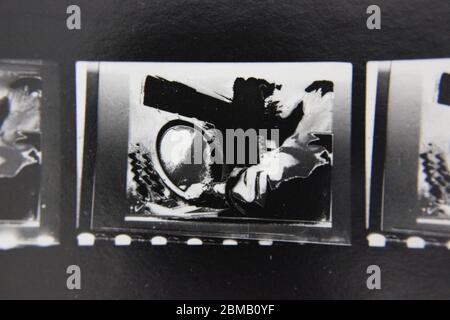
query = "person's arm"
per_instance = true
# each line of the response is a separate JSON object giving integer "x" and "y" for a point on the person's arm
{"x": 295, "y": 158}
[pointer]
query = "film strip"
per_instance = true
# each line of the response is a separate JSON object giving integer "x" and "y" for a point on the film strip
{"x": 88, "y": 239}
{"x": 140, "y": 126}
{"x": 29, "y": 154}
{"x": 407, "y": 153}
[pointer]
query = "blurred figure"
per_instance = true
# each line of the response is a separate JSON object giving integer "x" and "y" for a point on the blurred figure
{"x": 19, "y": 121}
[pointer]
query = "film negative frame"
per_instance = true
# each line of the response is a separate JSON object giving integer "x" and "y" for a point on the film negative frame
{"x": 101, "y": 212}
{"x": 393, "y": 126}
{"x": 44, "y": 230}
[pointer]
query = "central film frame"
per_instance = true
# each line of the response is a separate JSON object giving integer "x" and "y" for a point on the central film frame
{"x": 137, "y": 127}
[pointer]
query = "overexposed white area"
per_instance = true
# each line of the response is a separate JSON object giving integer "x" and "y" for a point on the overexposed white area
{"x": 267, "y": 243}
{"x": 13, "y": 239}
{"x": 86, "y": 239}
{"x": 440, "y": 222}
{"x": 415, "y": 243}
{"x": 158, "y": 241}
{"x": 81, "y": 73}
{"x": 229, "y": 242}
{"x": 122, "y": 240}
{"x": 376, "y": 240}
{"x": 371, "y": 94}
{"x": 194, "y": 242}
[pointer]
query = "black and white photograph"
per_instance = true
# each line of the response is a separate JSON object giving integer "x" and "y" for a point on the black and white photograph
{"x": 229, "y": 157}
{"x": 218, "y": 148}
{"x": 20, "y": 134}
{"x": 409, "y": 103}
{"x": 25, "y": 115}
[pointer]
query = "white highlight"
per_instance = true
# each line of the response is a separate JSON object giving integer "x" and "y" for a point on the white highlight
{"x": 229, "y": 242}
{"x": 86, "y": 239}
{"x": 371, "y": 93}
{"x": 376, "y": 240}
{"x": 45, "y": 241}
{"x": 80, "y": 76}
{"x": 433, "y": 221}
{"x": 415, "y": 243}
{"x": 122, "y": 240}
{"x": 176, "y": 147}
{"x": 158, "y": 241}
{"x": 267, "y": 243}
{"x": 8, "y": 241}
{"x": 194, "y": 242}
